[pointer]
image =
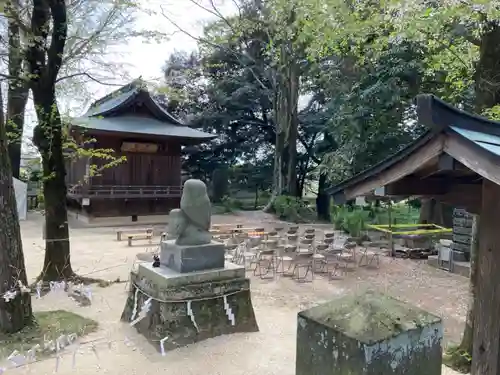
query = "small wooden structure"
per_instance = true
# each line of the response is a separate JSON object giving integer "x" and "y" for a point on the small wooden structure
{"x": 132, "y": 123}
{"x": 456, "y": 161}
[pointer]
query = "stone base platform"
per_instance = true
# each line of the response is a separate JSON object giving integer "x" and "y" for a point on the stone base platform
{"x": 187, "y": 308}
{"x": 192, "y": 258}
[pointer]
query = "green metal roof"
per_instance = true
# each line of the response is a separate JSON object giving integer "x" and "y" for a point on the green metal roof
{"x": 115, "y": 113}
{"x": 439, "y": 117}
{"x": 140, "y": 125}
{"x": 489, "y": 142}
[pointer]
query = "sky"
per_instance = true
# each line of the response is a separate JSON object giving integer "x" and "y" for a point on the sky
{"x": 147, "y": 58}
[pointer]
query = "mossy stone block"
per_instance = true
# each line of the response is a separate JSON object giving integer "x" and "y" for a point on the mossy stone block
{"x": 368, "y": 334}
{"x": 171, "y": 321}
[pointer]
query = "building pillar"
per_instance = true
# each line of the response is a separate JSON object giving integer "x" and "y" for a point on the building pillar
{"x": 486, "y": 347}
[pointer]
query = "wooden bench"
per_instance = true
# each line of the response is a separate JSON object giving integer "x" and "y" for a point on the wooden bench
{"x": 140, "y": 236}
{"x": 121, "y": 232}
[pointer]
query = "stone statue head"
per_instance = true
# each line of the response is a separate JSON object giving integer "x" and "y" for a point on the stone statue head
{"x": 195, "y": 203}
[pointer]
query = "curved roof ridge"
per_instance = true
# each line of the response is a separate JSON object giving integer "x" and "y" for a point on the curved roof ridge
{"x": 124, "y": 96}
{"x": 134, "y": 85}
{"x": 437, "y": 115}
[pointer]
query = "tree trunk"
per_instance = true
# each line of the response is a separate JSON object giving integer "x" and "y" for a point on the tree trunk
{"x": 278, "y": 179}
{"x": 323, "y": 199}
{"x": 48, "y": 138}
{"x": 467, "y": 338}
{"x": 487, "y": 81}
{"x": 17, "y": 313}
{"x": 286, "y": 120}
{"x": 292, "y": 88}
{"x": 44, "y": 64}
{"x": 17, "y": 94}
{"x": 434, "y": 212}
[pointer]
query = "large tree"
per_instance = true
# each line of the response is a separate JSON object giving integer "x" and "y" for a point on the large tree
{"x": 18, "y": 89}
{"x": 45, "y": 56}
{"x": 16, "y": 313}
{"x": 265, "y": 28}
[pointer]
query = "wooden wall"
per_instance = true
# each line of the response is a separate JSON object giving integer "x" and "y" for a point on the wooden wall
{"x": 140, "y": 169}
{"x": 162, "y": 168}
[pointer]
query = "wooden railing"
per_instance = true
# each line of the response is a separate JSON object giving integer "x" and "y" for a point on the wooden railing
{"x": 124, "y": 191}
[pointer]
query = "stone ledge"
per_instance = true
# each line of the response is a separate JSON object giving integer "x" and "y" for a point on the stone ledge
{"x": 166, "y": 278}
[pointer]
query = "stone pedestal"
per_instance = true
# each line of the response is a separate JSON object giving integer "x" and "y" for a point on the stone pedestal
{"x": 190, "y": 307}
{"x": 192, "y": 258}
{"x": 368, "y": 334}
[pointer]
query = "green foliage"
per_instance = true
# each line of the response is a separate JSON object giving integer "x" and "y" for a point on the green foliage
{"x": 458, "y": 359}
{"x": 292, "y": 209}
{"x": 41, "y": 200}
{"x": 401, "y": 213}
{"x": 231, "y": 204}
{"x": 84, "y": 148}
{"x": 351, "y": 221}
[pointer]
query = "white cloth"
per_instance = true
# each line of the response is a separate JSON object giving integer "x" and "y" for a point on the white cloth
{"x": 21, "y": 191}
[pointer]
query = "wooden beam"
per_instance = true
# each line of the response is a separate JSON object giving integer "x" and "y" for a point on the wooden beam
{"x": 486, "y": 347}
{"x": 411, "y": 185}
{"x": 460, "y": 198}
{"x": 474, "y": 157}
{"x": 448, "y": 164}
{"x": 401, "y": 169}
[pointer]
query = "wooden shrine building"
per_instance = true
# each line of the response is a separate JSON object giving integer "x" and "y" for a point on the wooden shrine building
{"x": 456, "y": 161}
{"x": 133, "y": 124}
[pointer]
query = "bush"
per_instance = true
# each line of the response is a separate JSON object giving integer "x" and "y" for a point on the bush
{"x": 41, "y": 201}
{"x": 292, "y": 209}
{"x": 227, "y": 205}
{"x": 351, "y": 221}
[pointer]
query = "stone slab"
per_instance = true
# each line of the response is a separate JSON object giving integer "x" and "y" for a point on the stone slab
{"x": 166, "y": 277}
{"x": 192, "y": 258}
{"x": 368, "y": 334}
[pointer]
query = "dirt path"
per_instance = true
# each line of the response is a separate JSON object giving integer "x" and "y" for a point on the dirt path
{"x": 268, "y": 352}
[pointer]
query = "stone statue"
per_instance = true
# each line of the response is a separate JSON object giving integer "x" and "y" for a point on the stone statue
{"x": 191, "y": 224}
{"x": 174, "y": 221}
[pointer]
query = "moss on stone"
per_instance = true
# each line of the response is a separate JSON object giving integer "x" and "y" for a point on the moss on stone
{"x": 369, "y": 316}
{"x": 170, "y": 319}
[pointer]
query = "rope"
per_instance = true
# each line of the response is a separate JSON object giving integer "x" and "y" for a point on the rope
{"x": 189, "y": 299}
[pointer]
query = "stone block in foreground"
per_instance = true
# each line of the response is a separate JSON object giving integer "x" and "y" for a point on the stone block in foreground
{"x": 190, "y": 258}
{"x": 171, "y": 319}
{"x": 368, "y": 334}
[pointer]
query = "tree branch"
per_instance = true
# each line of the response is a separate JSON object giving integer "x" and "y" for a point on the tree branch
{"x": 86, "y": 42}
{"x": 218, "y": 46}
{"x": 36, "y": 52}
{"x": 58, "y": 38}
{"x": 85, "y": 74}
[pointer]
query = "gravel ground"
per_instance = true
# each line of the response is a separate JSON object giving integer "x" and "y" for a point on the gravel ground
{"x": 271, "y": 351}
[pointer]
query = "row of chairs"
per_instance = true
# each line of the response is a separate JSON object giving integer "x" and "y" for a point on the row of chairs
{"x": 298, "y": 255}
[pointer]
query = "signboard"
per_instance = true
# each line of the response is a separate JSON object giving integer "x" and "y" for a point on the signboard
{"x": 462, "y": 230}
{"x": 147, "y": 148}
